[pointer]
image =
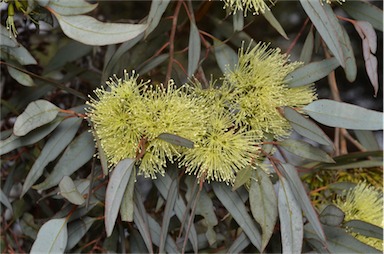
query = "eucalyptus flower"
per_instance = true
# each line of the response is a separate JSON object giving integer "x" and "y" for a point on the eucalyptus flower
{"x": 260, "y": 89}
{"x": 364, "y": 203}
{"x": 254, "y": 6}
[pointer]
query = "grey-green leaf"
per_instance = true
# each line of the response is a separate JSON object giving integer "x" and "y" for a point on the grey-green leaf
{"x": 242, "y": 177}
{"x": 233, "y": 203}
{"x": 194, "y": 48}
{"x": 6, "y": 39}
{"x": 158, "y": 7}
{"x": 77, "y": 229}
{"x": 364, "y": 228}
{"x": 332, "y": 216}
{"x": 60, "y": 138}
{"x": 127, "y": 204}
{"x": 36, "y": 114}
{"x": 291, "y": 219}
{"x": 21, "y": 77}
{"x": 65, "y": 7}
{"x": 90, "y": 31}
{"x": 263, "y": 202}
{"x": 363, "y": 10}
{"x": 115, "y": 191}
{"x": 305, "y": 150}
{"x": 238, "y": 21}
{"x": 69, "y": 191}
{"x": 306, "y": 127}
{"x": 78, "y": 152}
{"x": 52, "y": 237}
{"x": 176, "y": 140}
{"x": 275, "y": 23}
{"x": 344, "y": 115}
{"x": 19, "y": 53}
{"x": 367, "y": 139}
{"x": 226, "y": 57}
{"x": 5, "y": 201}
{"x": 241, "y": 242}
{"x": 312, "y": 72}
{"x": 307, "y": 50}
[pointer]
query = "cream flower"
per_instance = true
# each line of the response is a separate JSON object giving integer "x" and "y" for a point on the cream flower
{"x": 254, "y": 6}
{"x": 364, "y": 203}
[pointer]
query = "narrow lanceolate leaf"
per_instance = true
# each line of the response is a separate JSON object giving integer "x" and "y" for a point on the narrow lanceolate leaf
{"x": 21, "y": 77}
{"x": 233, "y": 203}
{"x": 238, "y": 21}
{"x": 312, "y": 72}
{"x": 368, "y": 140}
{"x": 154, "y": 227}
{"x": 364, "y": 228}
{"x": 273, "y": 22}
{"x": 327, "y": 25}
{"x": 349, "y": 56}
{"x": 176, "y": 140}
{"x": 306, "y": 127}
{"x": 158, "y": 7}
{"x": 7, "y": 39}
{"x": 307, "y": 50}
{"x": 363, "y": 10}
{"x": 77, "y": 229}
{"x": 293, "y": 179}
{"x": 78, "y": 152}
{"x": 194, "y": 48}
{"x": 69, "y": 191}
{"x": 65, "y": 7}
{"x": 19, "y": 53}
{"x": 241, "y": 242}
{"x": 36, "y": 114}
{"x": 344, "y": 115}
{"x": 5, "y": 201}
{"x": 226, "y": 57}
{"x": 127, "y": 204}
{"x": 141, "y": 220}
{"x": 90, "y": 31}
{"x": 332, "y": 216}
{"x": 52, "y": 237}
{"x": 263, "y": 202}
{"x": 369, "y": 38}
{"x": 305, "y": 150}
{"x": 60, "y": 138}
{"x": 242, "y": 177}
{"x": 291, "y": 219}
{"x": 115, "y": 191}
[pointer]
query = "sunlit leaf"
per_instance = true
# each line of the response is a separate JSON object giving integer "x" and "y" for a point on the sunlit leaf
{"x": 69, "y": 191}
{"x": 194, "y": 48}
{"x": 36, "y": 114}
{"x": 78, "y": 152}
{"x": 291, "y": 219}
{"x": 90, "y": 31}
{"x": 115, "y": 191}
{"x": 65, "y": 7}
{"x": 332, "y": 215}
{"x": 343, "y": 115}
{"x": 305, "y": 150}
{"x": 158, "y": 7}
{"x": 263, "y": 202}
{"x": 311, "y": 72}
{"x": 275, "y": 23}
{"x": 21, "y": 77}
{"x": 52, "y": 237}
{"x": 60, "y": 138}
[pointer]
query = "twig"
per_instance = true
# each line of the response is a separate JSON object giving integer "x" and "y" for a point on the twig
{"x": 297, "y": 37}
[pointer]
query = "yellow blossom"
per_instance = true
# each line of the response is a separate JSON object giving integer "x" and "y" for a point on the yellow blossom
{"x": 260, "y": 89}
{"x": 254, "y": 6}
{"x": 364, "y": 203}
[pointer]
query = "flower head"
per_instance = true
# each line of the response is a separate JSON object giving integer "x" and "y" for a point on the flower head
{"x": 260, "y": 89}
{"x": 255, "y": 6}
{"x": 364, "y": 203}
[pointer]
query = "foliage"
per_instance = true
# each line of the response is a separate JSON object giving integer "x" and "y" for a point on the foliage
{"x": 165, "y": 126}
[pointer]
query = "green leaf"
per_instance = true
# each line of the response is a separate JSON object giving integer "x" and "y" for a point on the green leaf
{"x": 293, "y": 179}
{"x": 14, "y": 142}
{"x": 362, "y": 10}
{"x": 77, "y": 229}
{"x": 291, "y": 219}
{"x": 306, "y": 127}
{"x": 242, "y": 177}
{"x": 127, "y": 204}
{"x": 140, "y": 217}
{"x": 19, "y": 53}
{"x": 194, "y": 48}
{"x": 241, "y": 242}
{"x": 233, "y": 203}
{"x": 21, "y": 77}
{"x": 238, "y": 21}
{"x": 364, "y": 228}
{"x": 263, "y": 202}
{"x": 274, "y": 23}
{"x": 332, "y": 216}
{"x": 327, "y": 25}
{"x": 78, "y": 152}
{"x": 168, "y": 213}
{"x": 176, "y": 140}
{"x": 307, "y": 50}
{"x": 154, "y": 228}
{"x": 37, "y": 113}
{"x": 310, "y": 73}
{"x": 69, "y": 191}
{"x": 349, "y": 56}
{"x": 90, "y": 31}
{"x": 65, "y": 7}
{"x": 358, "y": 164}
{"x": 226, "y": 57}
{"x": 305, "y": 150}
{"x": 115, "y": 191}
{"x": 156, "y": 61}
{"x": 52, "y": 237}
{"x": 367, "y": 139}
{"x": 5, "y": 201}
{"x": 344, "y": 115}
{"x": 6, "y": 39}
{"x": 158, "y": 8}
{"x": 60, "y": 138}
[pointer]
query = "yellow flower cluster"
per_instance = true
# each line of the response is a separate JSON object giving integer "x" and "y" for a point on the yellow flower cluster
{"x": 255, "y": 6}
{"x": 225, "y": 122}
{"x": 364, "y": 203}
